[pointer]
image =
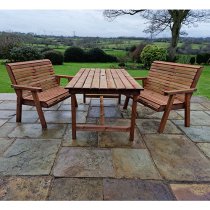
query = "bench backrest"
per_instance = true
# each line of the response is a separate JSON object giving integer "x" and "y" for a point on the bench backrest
{"x": 38, "y": 73}
{"x": 172, "y": 76}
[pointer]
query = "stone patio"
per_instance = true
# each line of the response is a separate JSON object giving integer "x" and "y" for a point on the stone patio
{"x": 49, "y": 165}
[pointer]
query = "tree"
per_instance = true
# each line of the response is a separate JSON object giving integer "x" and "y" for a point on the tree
{"x": 7, "y": 42}
{"x": 160, "y": 20}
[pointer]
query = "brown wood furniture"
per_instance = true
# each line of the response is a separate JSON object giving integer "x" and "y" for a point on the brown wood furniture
{"x": 36, "y": 84}
{"x": 118, "y": 96}
{"x": 169, "y": 86}
{"x": 103, "y": 81}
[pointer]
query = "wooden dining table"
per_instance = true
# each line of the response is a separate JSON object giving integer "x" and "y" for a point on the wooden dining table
{"x": 103, "y": 81}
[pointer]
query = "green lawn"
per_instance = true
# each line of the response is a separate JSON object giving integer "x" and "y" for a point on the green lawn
{"x": 203, "y": 87}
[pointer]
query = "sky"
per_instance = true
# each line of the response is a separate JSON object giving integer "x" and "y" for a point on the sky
{"x": 82, "y": 23}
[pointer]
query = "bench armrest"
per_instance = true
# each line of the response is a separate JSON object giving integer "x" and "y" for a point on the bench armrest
{"x": 140, "y": 78}
{"x": 29, "y": 88}
{"x": 184, "y": 91}
{"x": 65, "y": 76}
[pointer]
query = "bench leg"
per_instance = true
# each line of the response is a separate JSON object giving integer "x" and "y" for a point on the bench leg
{"x": 166, "y": 113}
{"x": 133, "y": 118}
{"x": 76, "y": 104}
{"x": 126, "y": 102}
{"x": 119, "y": 99}
{"x": 187, "y": 110}
{"x": 39, "y": 110}
{"x": 73, "y": 115}
{"x": 84, "y": 98}
{"x": 19, "y": 109}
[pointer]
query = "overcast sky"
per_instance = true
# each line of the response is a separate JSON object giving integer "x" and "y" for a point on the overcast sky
{"x": 82, "y": 22}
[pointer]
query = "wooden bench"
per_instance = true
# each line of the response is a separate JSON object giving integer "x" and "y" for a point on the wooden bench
{"x": 36, "y": 84}
{"x": 169, "y": 86}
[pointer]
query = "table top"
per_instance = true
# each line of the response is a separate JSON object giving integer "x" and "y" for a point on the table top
{"x": 103, "y": 81}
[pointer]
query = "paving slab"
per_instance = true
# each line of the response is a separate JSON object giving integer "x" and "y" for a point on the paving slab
{"x": 109, "y": 112}
{"x": 131, "y": 189}
{"x": 64, "y": 116}
{"x": 206, "y": 104}
{"x": 53, "y": 131}
{"x": 134, "y": 163}
{"x": 79, "y": 100}
{"x": 29, "y": 157}
{"x": 4, "y": 144}
{"x": 11, "y": 105}
{"x": 80, "y": 189}
{"x": 92, "y": 120}
{"x": 195, "y": 133}
{"x": 197, "y": 117}
{"x": 8, "y": 96}
{"x": 191, "y": 192}
{"x": 84, "y": 138}
{"x": 197, "y": 107}
{"x": 67, "y": 107}
{"x": 7, "y": 114}
{"x": 6, "y": 129}
{"x": 205, "y": 147}
{"x": 147, "y": 113}
{"x": 177, "y": 158}
{"x": 119, "y": 139}
{"x": 2, "y": 121}
{"x": 107, "y": 102}
{"x": 27, "y": 117}
{"x": 147, "y": 126}
{"x": 198, "y": 99}
{"x": 24, "y": 188}
{"x": 83, "y": 162}
{"x": 158, "y": 115}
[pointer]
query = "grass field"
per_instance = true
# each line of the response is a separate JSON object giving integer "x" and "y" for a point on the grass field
{"x": 203, "y": 87}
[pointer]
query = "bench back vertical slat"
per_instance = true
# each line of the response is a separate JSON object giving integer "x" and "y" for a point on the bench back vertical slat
{"x": 165, "y": 76}
{"x": 38, "y": 73}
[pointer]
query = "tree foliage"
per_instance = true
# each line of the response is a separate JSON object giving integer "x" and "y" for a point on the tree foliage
{"x": 161, "y": 20}
{"x": 7, "y": 42}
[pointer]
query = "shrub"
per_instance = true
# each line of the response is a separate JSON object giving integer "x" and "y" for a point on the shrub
{"x": 45, "y": 49}
{"x": 74, "y": 54}
{"x": 122, "y": 65}
{"x": 55, "y": 57}
{"x": 98, "y": 55}
{"x": 132, "y": 48}
{"x": 151, "y": 53}
{"x": 202, "y": 58}
{"x": 24, "y": 53}
{"x": 192, "y": 60}
{"x": 185, "y": 59}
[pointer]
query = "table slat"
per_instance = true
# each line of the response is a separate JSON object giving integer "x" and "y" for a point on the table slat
{"x": 131, "y": 80}
{"x": 75, "y": 79}
{"x": 117, "y": 80}
{"x": 110, "y": 80}
{"x": 82, "y": 79}
{"x": 103, "y": 79}
{"x": 124, "y": 80}
{"x": 96, "y": 79}
{"x": 89, "y": 79}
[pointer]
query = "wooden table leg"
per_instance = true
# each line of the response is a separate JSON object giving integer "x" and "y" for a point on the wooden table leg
{"x": 133, "y": 118}
{"x": 73, "y": 115}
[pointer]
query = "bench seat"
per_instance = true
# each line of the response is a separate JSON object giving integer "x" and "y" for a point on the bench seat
{"x": 156, "y": 101}
{"x": 48, "y": 97}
